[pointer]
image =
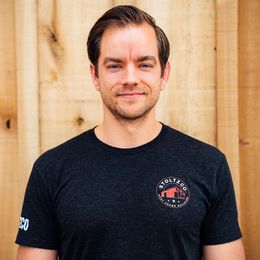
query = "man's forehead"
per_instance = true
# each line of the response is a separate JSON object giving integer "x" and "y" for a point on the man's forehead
{"x": 144, "y": 31}
{"x": 134, "y": 40}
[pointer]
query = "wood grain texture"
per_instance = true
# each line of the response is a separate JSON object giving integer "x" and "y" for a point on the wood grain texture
{"x": 227, "y": 86}
{"x": 249, "y": 123}
{"x": 27, "y": 88}
{"x": 9, "y": 206}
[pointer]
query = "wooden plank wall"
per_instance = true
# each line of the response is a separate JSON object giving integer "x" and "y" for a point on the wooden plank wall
{"x": 47, "y": 97}
{"x": 249, "y": 122}
{"x": 9, "y": 204}
{"x": 227, "y": 85}
{"x": 27, "y": 89}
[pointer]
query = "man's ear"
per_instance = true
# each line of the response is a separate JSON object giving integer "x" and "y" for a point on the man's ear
{"x": 165, "y": 77}
{"x": 94, "y": 76}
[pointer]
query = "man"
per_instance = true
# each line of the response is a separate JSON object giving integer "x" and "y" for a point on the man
{"x": 132, "y": 187}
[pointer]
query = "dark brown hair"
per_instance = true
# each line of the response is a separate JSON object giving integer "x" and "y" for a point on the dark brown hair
{"x": 123, "y": 15}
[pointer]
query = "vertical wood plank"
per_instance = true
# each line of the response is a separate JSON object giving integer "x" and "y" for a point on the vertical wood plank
{"x": 27, "y": 88}
{"x": 249, "y": 126}
{"x": 8, "y": 133}
{"x": 227, "y": 86}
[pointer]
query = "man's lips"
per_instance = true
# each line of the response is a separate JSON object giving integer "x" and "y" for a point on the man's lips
{"x": 130, "y": 94}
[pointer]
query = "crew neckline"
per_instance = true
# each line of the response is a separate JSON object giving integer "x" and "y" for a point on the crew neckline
{"x": 133, "y": 150}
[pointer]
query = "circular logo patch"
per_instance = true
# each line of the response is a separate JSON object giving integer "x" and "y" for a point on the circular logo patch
{"x": 173, "y": 192}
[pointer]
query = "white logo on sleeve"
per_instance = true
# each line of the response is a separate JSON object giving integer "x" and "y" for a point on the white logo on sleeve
{"x": 24, "y": 223}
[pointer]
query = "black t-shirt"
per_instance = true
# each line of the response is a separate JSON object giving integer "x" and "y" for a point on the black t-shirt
{"x": 162, "y": 200}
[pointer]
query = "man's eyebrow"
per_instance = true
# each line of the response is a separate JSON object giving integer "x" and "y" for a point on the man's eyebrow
{"x": 112, "y": 59}
{"x": 147, "y": 58}
{"x": 139, "y": 59}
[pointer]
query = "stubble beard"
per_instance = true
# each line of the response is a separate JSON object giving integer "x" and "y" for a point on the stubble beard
{"x": 122, "y": 114}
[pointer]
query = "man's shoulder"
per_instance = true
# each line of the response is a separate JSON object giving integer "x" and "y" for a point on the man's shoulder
{"x": 188, "y": 146}
{"x": 68, "y": 150}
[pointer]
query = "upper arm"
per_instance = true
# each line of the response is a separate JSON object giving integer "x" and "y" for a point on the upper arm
{"x": 32, "y": 253}
{"x": 228, "y": 251}
{"x": 220, "y": 224}
{"x": 38, "y": 223}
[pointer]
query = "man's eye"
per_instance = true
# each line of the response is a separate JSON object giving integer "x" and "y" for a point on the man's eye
{"x": 146, "y": 66}
{"x": 114, "y": 66}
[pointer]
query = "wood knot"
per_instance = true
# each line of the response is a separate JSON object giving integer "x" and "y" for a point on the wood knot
{"x": 80, "y": 121}
{"x": 243, "y": 142}
{"x": 8, "y": 123}
{"x": 53, "y": 37}
{"x": 55, "y": 43}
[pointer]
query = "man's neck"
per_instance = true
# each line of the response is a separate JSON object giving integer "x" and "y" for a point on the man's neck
{"x": 128, "y": 134}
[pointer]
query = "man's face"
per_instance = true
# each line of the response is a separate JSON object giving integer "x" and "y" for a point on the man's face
{"x": 129, "y": 72}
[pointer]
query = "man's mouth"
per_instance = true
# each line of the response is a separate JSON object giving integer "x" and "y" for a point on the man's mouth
{"x": 130, "y": 95}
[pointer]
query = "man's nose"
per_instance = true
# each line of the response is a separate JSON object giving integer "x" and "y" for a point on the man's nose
{"x": 130, "y": 76}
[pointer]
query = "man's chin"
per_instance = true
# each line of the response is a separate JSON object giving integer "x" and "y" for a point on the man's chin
{"x": 130, "y": 115}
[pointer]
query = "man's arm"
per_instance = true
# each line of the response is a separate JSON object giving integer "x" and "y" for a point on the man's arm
{"x": 228, "y": 251}
{"x": 31, "y": 253}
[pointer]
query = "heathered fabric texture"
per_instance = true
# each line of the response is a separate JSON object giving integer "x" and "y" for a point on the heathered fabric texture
{"x": 92, "y": 201}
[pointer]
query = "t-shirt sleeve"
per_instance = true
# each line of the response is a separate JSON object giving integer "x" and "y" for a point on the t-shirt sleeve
{"x": 221, "y": 223}
{"x": 37, "y": 225}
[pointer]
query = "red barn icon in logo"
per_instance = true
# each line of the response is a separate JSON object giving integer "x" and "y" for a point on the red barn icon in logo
{"x": 174, "y": 193}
